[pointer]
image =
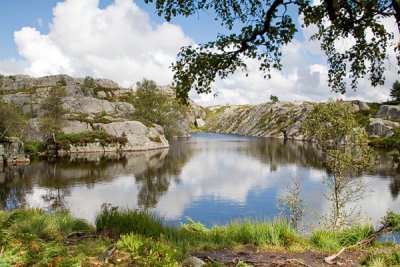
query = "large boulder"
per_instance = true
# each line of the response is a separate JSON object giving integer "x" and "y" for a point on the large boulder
{"x": 139, "y": 136}
{"x": 88, "y": 105}
{"x": 381, "y": 128}
{"x": 389, "y": 112}
{"x": 363, "y": 106}
{"x": 72, "y": 126}
{"x": 33, "y": 130}
{"x": 14, "y": 151}
{"x": 200, "y": 122}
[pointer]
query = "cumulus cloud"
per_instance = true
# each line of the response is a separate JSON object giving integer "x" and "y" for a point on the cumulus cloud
{"x": 304, "y": 76}
{"x": 119, "y": 42}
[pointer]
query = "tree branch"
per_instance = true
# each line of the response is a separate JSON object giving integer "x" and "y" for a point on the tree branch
{"x": 244, "y": 44}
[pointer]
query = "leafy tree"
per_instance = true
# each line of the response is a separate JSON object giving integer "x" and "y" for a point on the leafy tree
{"x": 53, "y": 111}
{"x": 395, "y": 91}
{"x": 12, "y": 122}
{"x": 291, "y": 204}
{"x": 333, "y": 126}
{"x": 266, "y": 26}
{"x": 153, "y": 106}
{"x": 273, "y": 99}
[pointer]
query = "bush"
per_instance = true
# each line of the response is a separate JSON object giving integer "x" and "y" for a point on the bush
{"x": 387, "y": 142}
{"x": 382, "y": 259}
{"x": 53, "y": 109}
{"x": 156, "y": 107}
{"x": 64, "y": 140}
{"x": 328, "y": 240}
{"x": 34, "y": 147}
{"x": 148, "y": 252}
{"x": 12, "y": 122}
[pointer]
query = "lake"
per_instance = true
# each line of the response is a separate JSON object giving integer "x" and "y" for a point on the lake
{"x": 210, "y": 178}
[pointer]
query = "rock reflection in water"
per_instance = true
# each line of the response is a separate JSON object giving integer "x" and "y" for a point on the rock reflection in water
{"x": 211, "y": 178}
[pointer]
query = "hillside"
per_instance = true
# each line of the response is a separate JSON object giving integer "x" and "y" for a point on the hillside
{"x": 97, "y": 114}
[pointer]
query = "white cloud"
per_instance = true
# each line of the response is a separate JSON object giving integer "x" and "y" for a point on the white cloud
{"x": 304, "y": 76}
{"x": 39, "y": 22}
{"x": 119, "y": 42}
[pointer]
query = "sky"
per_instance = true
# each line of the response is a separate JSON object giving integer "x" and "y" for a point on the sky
{"x": 124, "y": 40}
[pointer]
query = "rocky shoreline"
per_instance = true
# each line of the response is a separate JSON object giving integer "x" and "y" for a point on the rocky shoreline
{"x": 103, "y": 107}
{"x": 99, "y": 105}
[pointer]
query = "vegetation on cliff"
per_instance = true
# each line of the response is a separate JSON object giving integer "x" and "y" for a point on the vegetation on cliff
{"x": 153, "y": 106}
{"x": 12, "y": 122}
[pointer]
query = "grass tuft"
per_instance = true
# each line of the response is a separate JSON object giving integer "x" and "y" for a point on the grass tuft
{"x": 328, "y": 240}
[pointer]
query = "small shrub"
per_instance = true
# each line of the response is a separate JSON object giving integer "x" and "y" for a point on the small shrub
{"x": 154, "y": 106}
{"x": 328, "y": 240}
{"x": 127, "y": 221}
{"x": 325, "y": 240}
{"x": 62, "y": 82}
{"x": 273, "y": 99}
{"x": 146, "y": 251}
{"x": 382, "y": 259}
{"x": 64, "y": 140}
{"x": 34, "y": 147}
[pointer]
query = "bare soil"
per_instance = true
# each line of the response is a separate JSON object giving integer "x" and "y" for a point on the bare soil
{"x": 256, "y": 257}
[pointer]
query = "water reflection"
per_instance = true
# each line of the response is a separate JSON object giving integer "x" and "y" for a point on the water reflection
{"x": 211, "y": 178}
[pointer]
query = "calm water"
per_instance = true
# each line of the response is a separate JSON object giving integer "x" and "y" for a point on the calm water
{"x": 210, "y": 178}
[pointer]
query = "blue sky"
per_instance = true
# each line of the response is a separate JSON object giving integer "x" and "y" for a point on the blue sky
{"x": 126, "y": 41}
{"x": 15, "y": 14}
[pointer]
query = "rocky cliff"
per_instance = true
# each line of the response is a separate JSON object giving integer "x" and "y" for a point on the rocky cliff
{"x": 90, "y": 105}
{"x": 280, "y": 119}
{"x": 273, "y": 119}
{"x": 385, "y": 121}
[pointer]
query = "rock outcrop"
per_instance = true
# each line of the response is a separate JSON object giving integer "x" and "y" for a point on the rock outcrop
{"x": 387, "y": 118}
{"x": 12, "y": 151}
{"x": 139, "y": 136}
{"x": 91, "y": 105}
{"x": 280, "y": 119}
{"x": 389, "y": 112}
{"x": 381, "y": 128}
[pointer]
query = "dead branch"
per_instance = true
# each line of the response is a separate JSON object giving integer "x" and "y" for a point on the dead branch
{"x": 107, "y": 254}
{"x": 365, "y": 242}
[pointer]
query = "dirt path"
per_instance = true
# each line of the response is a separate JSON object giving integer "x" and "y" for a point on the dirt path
{"x": 251, "y": 255}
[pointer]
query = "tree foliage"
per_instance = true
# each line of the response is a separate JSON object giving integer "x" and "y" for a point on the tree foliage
{"x": 395, "y": 91}
{"x": 265, "y": 27}
{"x": 334, "y": 127}
{"x": 53, "y": 109}
{"x": 12, "y": 122}
{"x": 274, "y": 98}
{"x": 153, "y": 106}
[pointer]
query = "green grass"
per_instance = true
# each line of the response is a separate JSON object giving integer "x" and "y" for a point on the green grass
{"x": 34, "y": 147}
{"x": 194, "y": 235}
{"x": 149, "y": 252}
{"x": 64, "y": 140}
{"x": 35, "y": 223}
{"x": 382, "y": 259}
{"x": 35, "y": 237}
{"x": 328, "y": 240}
{"x": 387, "y": 142}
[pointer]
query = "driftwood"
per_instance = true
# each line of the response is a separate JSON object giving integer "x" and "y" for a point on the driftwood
{"x": 107, "y": 254}
{"x": 365, "y": 242}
